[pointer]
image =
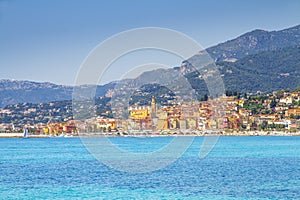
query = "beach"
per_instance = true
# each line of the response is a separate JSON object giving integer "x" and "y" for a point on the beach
{"x": 20, "y": 135}
{"x": 193, "y": 133}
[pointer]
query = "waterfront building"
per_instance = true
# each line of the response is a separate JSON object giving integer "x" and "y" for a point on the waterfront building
{"x": 292, "y": 111}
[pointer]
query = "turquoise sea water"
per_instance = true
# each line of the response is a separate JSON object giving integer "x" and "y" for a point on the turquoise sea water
{"x": 237, "y": 168}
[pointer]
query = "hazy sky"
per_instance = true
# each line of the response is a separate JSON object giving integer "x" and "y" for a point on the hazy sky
{"x": 48, "y": 40}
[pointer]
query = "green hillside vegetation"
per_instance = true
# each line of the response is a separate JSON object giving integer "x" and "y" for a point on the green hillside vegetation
{"x": 266, "y": 71}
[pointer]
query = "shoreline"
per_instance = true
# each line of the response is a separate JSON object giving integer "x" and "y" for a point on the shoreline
{"x": 87, "y": 135}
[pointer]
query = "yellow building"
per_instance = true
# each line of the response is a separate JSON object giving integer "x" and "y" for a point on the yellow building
{"x": 139, "y": 114}
{"x": 162, "y": 124}
{"x": 240, "y": 102}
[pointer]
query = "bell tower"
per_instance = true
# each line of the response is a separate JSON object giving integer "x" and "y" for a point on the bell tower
{"x": 153, "y": 107}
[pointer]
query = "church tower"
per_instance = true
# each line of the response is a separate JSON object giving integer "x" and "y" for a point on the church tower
{"x": 153, "y": 107}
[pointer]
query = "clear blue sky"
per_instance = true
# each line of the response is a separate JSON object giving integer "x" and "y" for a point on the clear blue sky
{"x": 48, "y": 40}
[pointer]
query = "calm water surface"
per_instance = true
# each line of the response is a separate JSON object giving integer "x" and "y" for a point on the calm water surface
{"x": 237, "y": 168}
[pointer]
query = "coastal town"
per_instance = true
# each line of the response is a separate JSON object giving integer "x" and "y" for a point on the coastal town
{"x": 231, "y": 114}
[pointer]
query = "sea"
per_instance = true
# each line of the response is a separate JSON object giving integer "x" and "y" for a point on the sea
{"x": 236, "y": 168}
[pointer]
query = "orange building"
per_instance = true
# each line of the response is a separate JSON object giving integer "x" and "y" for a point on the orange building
{"x": 292, "y": 111}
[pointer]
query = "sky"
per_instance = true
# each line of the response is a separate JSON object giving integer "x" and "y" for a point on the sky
{"x": 47, "y": 41}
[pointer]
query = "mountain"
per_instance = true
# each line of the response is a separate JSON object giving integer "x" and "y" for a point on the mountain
{"x": 258, "y": 60}
{"x": 254, "y": 42}
{"x": 13, "y": 92}
{"x": 266, "y": 71}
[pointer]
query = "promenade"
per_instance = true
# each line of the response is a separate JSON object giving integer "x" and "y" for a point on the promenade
{"x": 201, "y": 134}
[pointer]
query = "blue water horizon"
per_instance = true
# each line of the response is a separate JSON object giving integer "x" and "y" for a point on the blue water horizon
{"x": 236, "y": 168}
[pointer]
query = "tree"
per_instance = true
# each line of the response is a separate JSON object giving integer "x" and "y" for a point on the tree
{"x": 292, "y": 116}
{"x": 204, "y": 98}
{"x": 264, "y": 125}
{"x": 273, "y": 103}
{"x": 228, "y": 93}
{"x": 253, "y": 111}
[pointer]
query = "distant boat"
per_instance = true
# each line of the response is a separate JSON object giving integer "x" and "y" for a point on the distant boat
{"x": 68, "y": 135}
{"x": 25, "y": 135}
{"x": 61, "y": 135}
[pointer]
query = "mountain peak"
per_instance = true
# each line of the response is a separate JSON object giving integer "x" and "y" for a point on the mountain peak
{"x": 256, "y": 31}
{"x": 254, "y": 42}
